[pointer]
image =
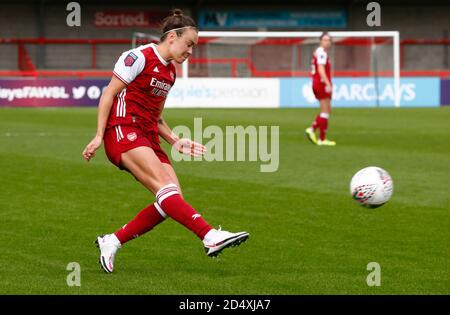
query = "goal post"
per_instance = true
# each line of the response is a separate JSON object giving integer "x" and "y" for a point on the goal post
{"x": 311, "y": 38}
{"x": 365, "y": 64}
{"x": 141, "y": 38}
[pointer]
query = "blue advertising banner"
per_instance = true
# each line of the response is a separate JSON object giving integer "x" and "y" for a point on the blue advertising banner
{"x": 50, "y": 92}
{"x": 362, "y": 92}
{"x": 275, "y": 19}
{"x": 445, "y": 92}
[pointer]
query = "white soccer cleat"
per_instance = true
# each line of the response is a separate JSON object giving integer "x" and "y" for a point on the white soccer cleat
{"x": 217, "y": 240}
{"x": 108, "y": 245}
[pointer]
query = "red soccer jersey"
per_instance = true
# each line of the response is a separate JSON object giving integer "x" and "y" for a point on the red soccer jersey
{"x": 148, "y": 78}
{"x": 320, "y": 57}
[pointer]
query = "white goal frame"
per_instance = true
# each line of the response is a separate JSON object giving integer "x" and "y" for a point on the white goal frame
{"x": 394, "y": 34}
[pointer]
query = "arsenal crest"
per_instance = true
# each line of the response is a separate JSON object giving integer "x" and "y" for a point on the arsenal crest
{"x": 132, "y": 136}
{"x": 130, "y": 59}
{"x": 172, "y": 75}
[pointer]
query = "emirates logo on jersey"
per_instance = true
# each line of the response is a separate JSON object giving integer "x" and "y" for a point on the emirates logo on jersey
{"x": 132, "y": 136}
{"x": 161, "y": 88}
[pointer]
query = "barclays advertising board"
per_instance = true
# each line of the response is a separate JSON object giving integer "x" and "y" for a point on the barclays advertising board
{"x": 364, "y": 92}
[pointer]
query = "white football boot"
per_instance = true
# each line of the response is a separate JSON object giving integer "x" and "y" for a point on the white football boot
{"x": 108, "y": 245}
{"x": 216, "y": 240}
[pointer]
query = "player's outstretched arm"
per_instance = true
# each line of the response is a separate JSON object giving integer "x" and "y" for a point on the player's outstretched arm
{"x": 165, "y": 132}
{"x": 104, "y": 107}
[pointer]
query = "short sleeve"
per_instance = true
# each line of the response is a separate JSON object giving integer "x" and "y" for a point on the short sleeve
{"x": 321, "y": 56}
{"x": 129, "y": 65}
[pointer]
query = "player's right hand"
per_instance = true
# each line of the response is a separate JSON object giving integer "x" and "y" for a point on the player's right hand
{"x": 89, "y": 151}
{"x": 189, "y": 147}
{"x": 328, "y": 88}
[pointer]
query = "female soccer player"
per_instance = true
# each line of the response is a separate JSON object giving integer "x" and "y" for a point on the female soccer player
{"x": 322, "y": 88}
{"x": 130, "y": 123}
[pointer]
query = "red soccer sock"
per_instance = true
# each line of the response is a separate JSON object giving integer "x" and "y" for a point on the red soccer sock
{"x": 174, "y": 206}
{"x": 323, "y": 126}
{"x": 316, "y": 123}
{"x": 144, "y": 221}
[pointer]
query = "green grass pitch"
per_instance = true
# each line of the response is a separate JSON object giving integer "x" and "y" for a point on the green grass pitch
{"x": 307, "y": 235}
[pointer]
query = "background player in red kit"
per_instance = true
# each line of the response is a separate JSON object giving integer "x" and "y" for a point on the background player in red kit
{"x": 322, "y": 88}
{"x": 130, "y": 123}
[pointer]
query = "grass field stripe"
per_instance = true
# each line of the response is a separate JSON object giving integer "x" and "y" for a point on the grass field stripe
{"x": 317, "y": 242}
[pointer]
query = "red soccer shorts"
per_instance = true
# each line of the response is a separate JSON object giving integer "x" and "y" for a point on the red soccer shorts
{"x": 122, "y": 138}
{"x": 320, "y": 93}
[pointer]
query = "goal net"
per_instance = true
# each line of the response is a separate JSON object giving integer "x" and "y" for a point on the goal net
{"x": 139, "y": 38}
{"x": 372, "y": 57}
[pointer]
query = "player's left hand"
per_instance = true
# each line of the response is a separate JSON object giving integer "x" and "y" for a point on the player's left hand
{"x": 189, "y": 147}
{"x": 89, "y": 151}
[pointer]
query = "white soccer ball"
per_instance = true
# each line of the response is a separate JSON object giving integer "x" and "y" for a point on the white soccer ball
{"x": 371, "y": 187}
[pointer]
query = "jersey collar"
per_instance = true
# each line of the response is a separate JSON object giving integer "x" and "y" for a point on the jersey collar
{"x": 164, "y": 62}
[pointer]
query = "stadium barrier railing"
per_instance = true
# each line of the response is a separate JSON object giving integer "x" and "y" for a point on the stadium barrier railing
{"x": 26, "y": 68}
